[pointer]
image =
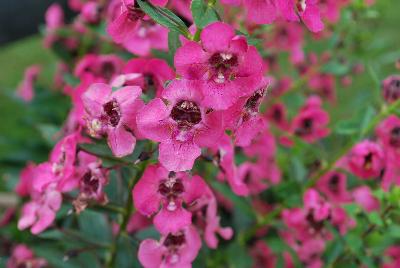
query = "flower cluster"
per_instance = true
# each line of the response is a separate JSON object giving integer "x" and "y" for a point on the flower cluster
{"x": 186, "y": 130}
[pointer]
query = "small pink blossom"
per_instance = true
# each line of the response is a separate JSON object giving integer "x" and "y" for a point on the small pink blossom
{"x": 182, "y": 126}
{"x": 391, "y": 88}
{"x": 158, "y": 187}
{"x": 388, "y": 132}
{"x": 101, "y": 67}
{"x": 25, "y": 90}
{"x": 366, "y": 160}
{"x": 174, "y": 250}
{"x": 363, "y": 196}
{"x": 305, "y": 10}
{"x": 112, "y": 114}
{"x": 152, "y": 74}
{"x": 334, "y": 186}
{"x": 243, "y": 117}
{"x": 311, "y": 122}
{"x": 124, "y": 24}
{"x": 22, "y": 256}
{"x": 227, "y": 66}
{"x": 41, "y": 211}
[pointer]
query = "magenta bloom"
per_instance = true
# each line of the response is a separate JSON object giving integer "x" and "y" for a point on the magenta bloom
{"x": 391, "y": 88}
{"x": 22, "y": 256}
{"x": 160, "y": 188}
{"x": 366, "y": 160}
{"x": 324, "y": 85}
{"x": 310, "y": 124}
{"x": 182, "y": 126}
{"x": 148, "y": 35}
{"x": 243, "y": 117}
{"x": 91, "y": 179}
{"x": 389, "y": 135}
{"x": 54, "y": 18}
{"x": 363, "y": 196}
{"x": 151, "y": 73}
{"x": 101, "y": 67}
{"x": 174, "y": 250}
{"x": 306, "y": 10}
{"x": 41, "y": 211}
{"x": 334, "y": 186}
{"x": 124, "y": 24}
{"x": 113, "y": 114}
{"x": 25, "y": 90}
{"x": 228, "y": 67}
{"x": 225, "y": 154}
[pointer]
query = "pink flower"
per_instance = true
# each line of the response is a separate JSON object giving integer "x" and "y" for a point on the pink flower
{"x": 363, "y": 196}
{"x": 25, "y": 90}
{"x": 310, "y": 124}
{"x": 101, "y": 67}
{"x": 182, "y": 126}
{"x": 306, "y": 10}
{"x": 227, "y": 66}
{"x": 158, "y": 187}
{"x": 366, "y": 160}
{"x": 91, "y": 12}
{"x": 137, "y": 222}
{"x": 243, "y": 117}
{"x": 151, "y": 73}
{"x": 324, "y": 85}
{"x": 334, "y": 186}
{"x": 41, "y": 211}
{"x": 393, "y": 252}
{"x": 288, "y": 37}
{"x": 113, "y": 114}
{"x": 277, "y": 115}
{"x": 22, "y": 256}
{"x": 174, "y": 250}
{"x": 225, "y": 156}
{"x": 391, "y": 88}
{"x": 24, "y": 186}
{"x": 123, "y": 25}
{"x": 91, "y": 179}
{"x": 54, "y": 17}
{"x": 389, "y": 135}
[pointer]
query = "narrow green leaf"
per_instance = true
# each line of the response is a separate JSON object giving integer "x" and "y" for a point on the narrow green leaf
{"x": 173, "y": 42}
{"x": 164, "y": 17}
{"x": 203, "y": 14}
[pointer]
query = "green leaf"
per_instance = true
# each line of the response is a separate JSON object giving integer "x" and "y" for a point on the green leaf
{"x": 164, "y": 17}
{"x": 375, "y": 218}
{"x": 348, "y": 127}
{"x": 336, "y": 68}
{"x": 203, "y": 14}
{"x": 173, "y": 42}
{"x": 94, "y": 226}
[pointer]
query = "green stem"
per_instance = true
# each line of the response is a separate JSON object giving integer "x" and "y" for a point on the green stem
{"x": 129, "y": 209}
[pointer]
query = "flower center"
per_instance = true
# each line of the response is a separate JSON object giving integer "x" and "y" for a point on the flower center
{"x": 395, "y": 137}
{"x": 305, "y": 128}
{"x": 171, "y": 189}
{"x": 315, "y": 225}
{"x": 301, "y": 5}
{"x": 107, "y": 70}
{"x": 393, "y": 90}
{"x": 334, "y": 183}
{"x": 90, "y": 184}
{"x": 112, "y": 111}
{"x": 134, "y": 13}
{"x": 368, "y": 161}
{"x": 221, "y": 66}
{"x": 186, "y": 114}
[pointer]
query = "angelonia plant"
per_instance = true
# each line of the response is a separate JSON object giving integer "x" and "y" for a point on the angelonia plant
{"x": 199, "y": 133}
